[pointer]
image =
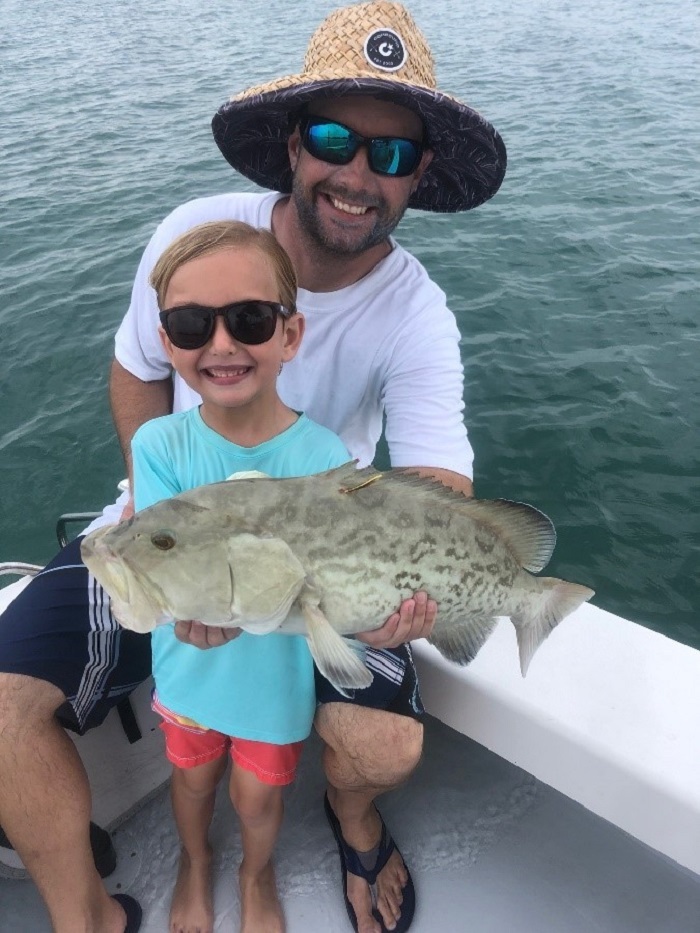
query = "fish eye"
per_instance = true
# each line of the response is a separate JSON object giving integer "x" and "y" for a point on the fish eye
{"x": 163, "y": 540}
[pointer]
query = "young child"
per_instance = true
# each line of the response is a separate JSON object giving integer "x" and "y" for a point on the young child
{"x": 227, "y": 294}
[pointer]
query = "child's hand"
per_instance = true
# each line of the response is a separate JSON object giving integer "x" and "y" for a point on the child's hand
{"x": 415, "y": 619}
{"x": 204, "y": 636}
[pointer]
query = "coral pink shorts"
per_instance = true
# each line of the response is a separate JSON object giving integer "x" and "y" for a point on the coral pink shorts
{"x": 188, "y": 744}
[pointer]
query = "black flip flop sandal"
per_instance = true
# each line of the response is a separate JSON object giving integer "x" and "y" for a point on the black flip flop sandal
{"x": 103, "y": 851}
{"x": 350, "y": 862}
{"x": 133, "y": 911}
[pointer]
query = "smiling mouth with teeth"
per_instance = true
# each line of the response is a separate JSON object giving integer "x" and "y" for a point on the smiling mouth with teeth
{"x": 227, "y": 372}
{"x": 347, "y": 208}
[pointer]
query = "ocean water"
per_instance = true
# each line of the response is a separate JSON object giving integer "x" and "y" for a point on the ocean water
{"x": 576, "y": 288}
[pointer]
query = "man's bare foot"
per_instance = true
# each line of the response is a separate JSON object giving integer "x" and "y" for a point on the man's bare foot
{"x": 364, "y": 835}
{"x": 261, "y": 911}
{"x": 192, "y": 908}
{"x": 390, "y": 881}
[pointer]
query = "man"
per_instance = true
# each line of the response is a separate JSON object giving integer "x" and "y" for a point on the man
{"x": 347, "y": 145}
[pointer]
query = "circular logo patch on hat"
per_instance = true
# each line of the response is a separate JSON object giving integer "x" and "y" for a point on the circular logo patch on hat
{"x": 385, "y": 49}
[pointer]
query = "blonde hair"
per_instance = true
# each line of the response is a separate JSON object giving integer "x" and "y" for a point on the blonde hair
{"x": 224, "y": 234}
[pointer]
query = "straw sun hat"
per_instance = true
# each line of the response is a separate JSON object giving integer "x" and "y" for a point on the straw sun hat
{"x": 374, "y": 49}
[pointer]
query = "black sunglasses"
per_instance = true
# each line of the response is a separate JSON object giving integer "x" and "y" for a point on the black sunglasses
{"x": 333, "y": 142}
{"x": 190, "y": 327}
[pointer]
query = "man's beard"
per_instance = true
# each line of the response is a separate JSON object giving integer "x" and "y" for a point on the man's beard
{"x": 339, "y": 242}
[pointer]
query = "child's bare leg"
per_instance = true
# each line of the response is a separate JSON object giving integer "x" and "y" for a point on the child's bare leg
{"x": 193, "y": 792}
{"x": 259, "y": 807}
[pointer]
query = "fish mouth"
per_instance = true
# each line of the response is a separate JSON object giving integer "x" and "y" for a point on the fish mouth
{"x": 104, "y": 564}
{"x": 131, "y": 603}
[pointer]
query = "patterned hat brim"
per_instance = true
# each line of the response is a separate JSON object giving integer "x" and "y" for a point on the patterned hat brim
{"x": 469, "y": 156}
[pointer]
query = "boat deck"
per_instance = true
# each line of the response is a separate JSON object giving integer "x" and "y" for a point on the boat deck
{"x": 491, "y": 849}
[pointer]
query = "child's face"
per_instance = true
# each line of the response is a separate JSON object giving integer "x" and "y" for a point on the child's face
{"x": 226, "y": 373}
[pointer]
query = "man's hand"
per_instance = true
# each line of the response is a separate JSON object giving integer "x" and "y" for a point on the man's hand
{"x": 204, "y": 636}
{"x": 415, "y": 619}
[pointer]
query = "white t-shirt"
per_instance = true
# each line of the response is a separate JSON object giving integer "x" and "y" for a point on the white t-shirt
{"x": 387, "y": 345}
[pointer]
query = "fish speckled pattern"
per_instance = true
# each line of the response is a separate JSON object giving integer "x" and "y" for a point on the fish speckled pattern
{"x": 332, "y": 555}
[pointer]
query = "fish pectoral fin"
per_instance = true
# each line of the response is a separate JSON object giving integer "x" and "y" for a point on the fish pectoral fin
{"x": 337, "y": 659}
{"x": 266, "y": 579}
{"x": 461, "y": 643}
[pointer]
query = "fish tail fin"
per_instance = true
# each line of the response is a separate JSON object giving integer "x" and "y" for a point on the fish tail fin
{"x": 548, "y": 605}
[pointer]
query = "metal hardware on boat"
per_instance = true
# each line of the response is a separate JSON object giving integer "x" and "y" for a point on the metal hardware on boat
{"x": 69, "y": 518}
{"x": 19, "y": 569}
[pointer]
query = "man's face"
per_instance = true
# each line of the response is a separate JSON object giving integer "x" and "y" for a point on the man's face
{"x": 348, "y": 209}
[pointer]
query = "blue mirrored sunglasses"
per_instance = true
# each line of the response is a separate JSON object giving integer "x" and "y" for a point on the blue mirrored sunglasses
{"x": 337, "y": 144}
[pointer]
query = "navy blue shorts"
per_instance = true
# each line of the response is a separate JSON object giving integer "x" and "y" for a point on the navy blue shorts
{"x": 394, "y": 687}
{"x": 60, "y": 629}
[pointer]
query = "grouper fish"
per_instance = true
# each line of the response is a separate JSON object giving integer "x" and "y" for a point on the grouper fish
{"x": 332, "y": 555}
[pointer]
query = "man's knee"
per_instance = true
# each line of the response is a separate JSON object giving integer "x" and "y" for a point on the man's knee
{"x": 384, "y": 748}
{"x": 26, "y": 702}
{"x": 404, "y": 743}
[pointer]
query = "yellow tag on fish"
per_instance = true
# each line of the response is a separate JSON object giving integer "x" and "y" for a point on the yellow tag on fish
{"x": 372, "y": 479}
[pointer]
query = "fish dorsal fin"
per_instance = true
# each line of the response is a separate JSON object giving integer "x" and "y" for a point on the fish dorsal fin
{"x": 349, "y": 478}
{"x": 527, "y": 532}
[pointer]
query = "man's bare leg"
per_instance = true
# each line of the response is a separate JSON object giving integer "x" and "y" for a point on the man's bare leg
{"x": 45, "y": 808}
{"x": 368, "y": 752}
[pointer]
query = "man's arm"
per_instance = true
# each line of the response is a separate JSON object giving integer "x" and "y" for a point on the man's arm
{"x": 424, "y": 408}
{"x": 133, "y": 402}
